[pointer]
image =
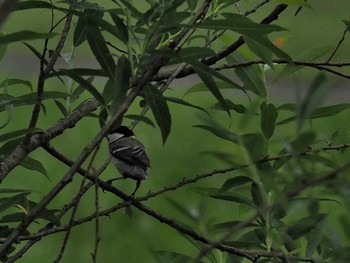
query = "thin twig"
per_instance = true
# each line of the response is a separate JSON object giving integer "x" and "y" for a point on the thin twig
{"x": 339, "y": 43}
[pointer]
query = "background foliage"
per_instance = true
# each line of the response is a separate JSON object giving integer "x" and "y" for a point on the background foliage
{"x": 242, "y": 106}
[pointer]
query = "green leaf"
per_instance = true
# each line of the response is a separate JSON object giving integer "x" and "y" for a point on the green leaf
{"x": 304, "y": 140}
{"x": 47, "y": 214}
{"x": 174, "y": 257}
{"x": 79, "y": 71}
{"x": 11, "y": 82}
{"x": 3, "y": 48}
{"x": 255, "y": 144}
{"x": 262, "y": 52}
{"x": 32, "y": 5}
{"x": 211, "y": 85}
{"x": 7, "y": 202}
{"x": 160, "y": 110}
{"x": 100, "y": 50}
{"x": 239, "y": 108}
{"x": 85, "y": 84}
{"x": 140, "y": 118}
{"x": 120, "y": 25}
{"x": 256, "y": 194}
{"x": 251, "y": 77}
{"x": 308, "y": 55}
{"x": 61, "y": 107}
{"x": 236, "y": 198}
{"x": 268, "y": 119}
{"x": 185, "y": 103}
{"x": 15, "y": 217}
{"x": 79, "y": 35}
{"x": 321, "y": 112}
{"x": 24, "y": 36}
{"x": 304, "y": 226}
{"x": 315, "y": 237}
{"x": 12, "y": 190}
{"x": 34, "y": 165}
{"x": 219, "y": 132}
{"x": 116, "y": 88}
{"x": 200, "y": 87}
{"x": 315, "y": 95}
{"x": 16, "y": 134}
{"x": 239, "y": 24}
{"x": 191, "y": 53}
{"x": 234, "y": 182}
{"x": 301, "y": 3}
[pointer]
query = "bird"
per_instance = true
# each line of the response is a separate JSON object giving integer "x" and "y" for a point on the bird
{"x": 128, "y": 155}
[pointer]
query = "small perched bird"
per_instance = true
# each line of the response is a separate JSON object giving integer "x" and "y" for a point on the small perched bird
{"x": 128, "y": 155}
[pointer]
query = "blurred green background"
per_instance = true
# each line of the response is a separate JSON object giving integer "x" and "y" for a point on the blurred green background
{"x": 185, "y": 154}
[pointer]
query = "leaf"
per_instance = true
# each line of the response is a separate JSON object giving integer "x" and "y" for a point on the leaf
{"x": 160, "y": 110}
{"x": 251, "y": 77}
{"x": 12, "y": 201}
{"x": 185, "y": 103}
{"x": 11, "y": 82}
{"x": 17, "y": 133}
{"x": 61, "y": 107}
{"x": 190, "y": 54}
{"x": 119, "y": 23}
{"x": 32, "y": 5}
{"x": 261, "y": 51}
{"x": 256, "y": 194}
{"x": 34, "y": 165}
{"x": 301, "y": 3}
{"x": 305, "y": 225}
{"x": 268, "y": 119}
{"x": 3, "y": 48}
{"x": 316, "y": 93}
{"x": 321, "y": 112}
{"x": 100, "y": 50}
{"x": 116, "y": 89}
{"x": 239, "y": 108}
{"x": 47, "y": 214}
{"x": 255, "y": 144}
{"x": 236, "y": 198}
{"x": 234, "y": 182}
{"x": 79, "y": 35}
{"x": 199, "y": 87}
{"x": 174, "y": 257}
{"x": 239, "y": 24}
{"x": 85, "y": 84}
{"x": 219, "y": 132}
{"x": 140, "y": 118}
{"x": 24, "y": 36}
{"x": 211, "y": 85}
{"x": 315, "y": 237}
{"x": 308, "y": 55}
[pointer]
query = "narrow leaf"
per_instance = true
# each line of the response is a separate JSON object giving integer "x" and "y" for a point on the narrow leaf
{"x": 85, "y": 84}
{"x": 234, "y": 182}
{"x": 24, "y": 36}
{"x": 219, "y": 132}
{"x": 313, "y": 98}
{"x": 34, "y": 165}
{"x": 100, "y": 50}
{"x": 159, "y": 109}
{"x": 268, "y": 119}
{"x": 16, "y": 134}
{"x": 140, "y": 118}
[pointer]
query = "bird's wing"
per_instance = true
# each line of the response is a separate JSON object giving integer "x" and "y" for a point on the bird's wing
{"x": 130, "y": 151}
